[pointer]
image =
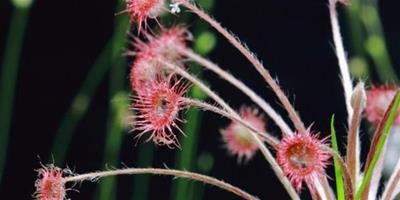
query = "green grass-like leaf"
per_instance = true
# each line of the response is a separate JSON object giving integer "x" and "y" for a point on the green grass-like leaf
{"x": 338, "y": 170}
{"x": 9, "y": 75}
{"x": 386, "y": 123}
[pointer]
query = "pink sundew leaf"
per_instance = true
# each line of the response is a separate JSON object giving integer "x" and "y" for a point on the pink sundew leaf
{"x": 303, "y": 160}
{"x": 237, "y": 138}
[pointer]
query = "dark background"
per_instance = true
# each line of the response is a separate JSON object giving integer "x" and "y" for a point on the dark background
{"x": 63, "y": 38}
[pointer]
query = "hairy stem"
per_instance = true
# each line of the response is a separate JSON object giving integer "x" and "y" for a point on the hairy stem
{"x": 80, "y": 105}
{"x": 211, "y": 94}
{"x": 271, "y": 141}
{"x": 353, "y": 139}
{"x": 254, "y": 61}
{"x": 326, "y": 188}
{"x": 242, "y": 87}
{"x": 390, "y": 190}
{"x": 190, "y": 175}
{"x": 267, "y": 154}
{"x": 341, "y": 55}
{"x": 323, "y": 182}
{"x": 116, "y": 109}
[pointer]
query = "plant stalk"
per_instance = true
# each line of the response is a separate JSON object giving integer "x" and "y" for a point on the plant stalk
{"x": 8, "y": 76}
{"x": 156, "y": 171}
{"x": 253, "y": 60}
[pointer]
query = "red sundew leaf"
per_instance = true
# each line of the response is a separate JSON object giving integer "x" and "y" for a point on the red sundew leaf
{"x": 302, "y": 158}
{"x": 50, "y": 184}
{"x": 379, "y": 98}
{"x": 237, "y": 138}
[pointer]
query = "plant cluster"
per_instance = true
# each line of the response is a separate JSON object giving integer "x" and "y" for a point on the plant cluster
{"x": 160, "y": 80}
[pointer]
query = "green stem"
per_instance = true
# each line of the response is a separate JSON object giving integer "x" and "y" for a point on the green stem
{"x": 188, "y": 152}
{"x": 376, "y": 44}
{"x": 118, "y": 108}
{"x": 8, "y": 79}
{"x": 184, "y": 189}
{"x": 114, "y": 137}
{"x": 358, "y": 63}
{"x": 204, "y": 165}
{"x": 80, "y": 105}
{"x": 141, "y": 183}
{"x": 355, "y": 28}
{"x": 338, "y": 171}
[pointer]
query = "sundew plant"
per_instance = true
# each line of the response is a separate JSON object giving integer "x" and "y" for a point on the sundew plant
{"x": 160, "y": 80}
{"x": 166, "y": 83}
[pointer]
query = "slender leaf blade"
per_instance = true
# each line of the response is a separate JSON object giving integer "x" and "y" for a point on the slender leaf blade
{"x": 338, "y": 171}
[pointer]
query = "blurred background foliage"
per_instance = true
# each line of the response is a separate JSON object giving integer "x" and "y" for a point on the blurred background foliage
{"x": 370, "y": 56}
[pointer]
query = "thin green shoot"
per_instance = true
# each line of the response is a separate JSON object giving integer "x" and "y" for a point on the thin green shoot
{"x": 338, "y": 170}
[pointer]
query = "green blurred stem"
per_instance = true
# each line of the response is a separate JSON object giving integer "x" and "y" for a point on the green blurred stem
{"x": 197, "y": 193}
{"x": 141, "y": 183}
{"x": 9, "y": 73}
{"x": 115, "y": 133}
{"x": 181, "y": 189}
{"x": 80, "y": 105}
{"x": 355, "y": 28}
{"x": 184, "y": 189}
{"x": 358, "y": 64}
{"x": 368, "y": 39}
{"x": 375, "y": 43}
{"x": 118, "y": 107}
{"x": 188, "y": 152}
{"x": 204, "y": 165}
{"x": 338, "y": 171}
